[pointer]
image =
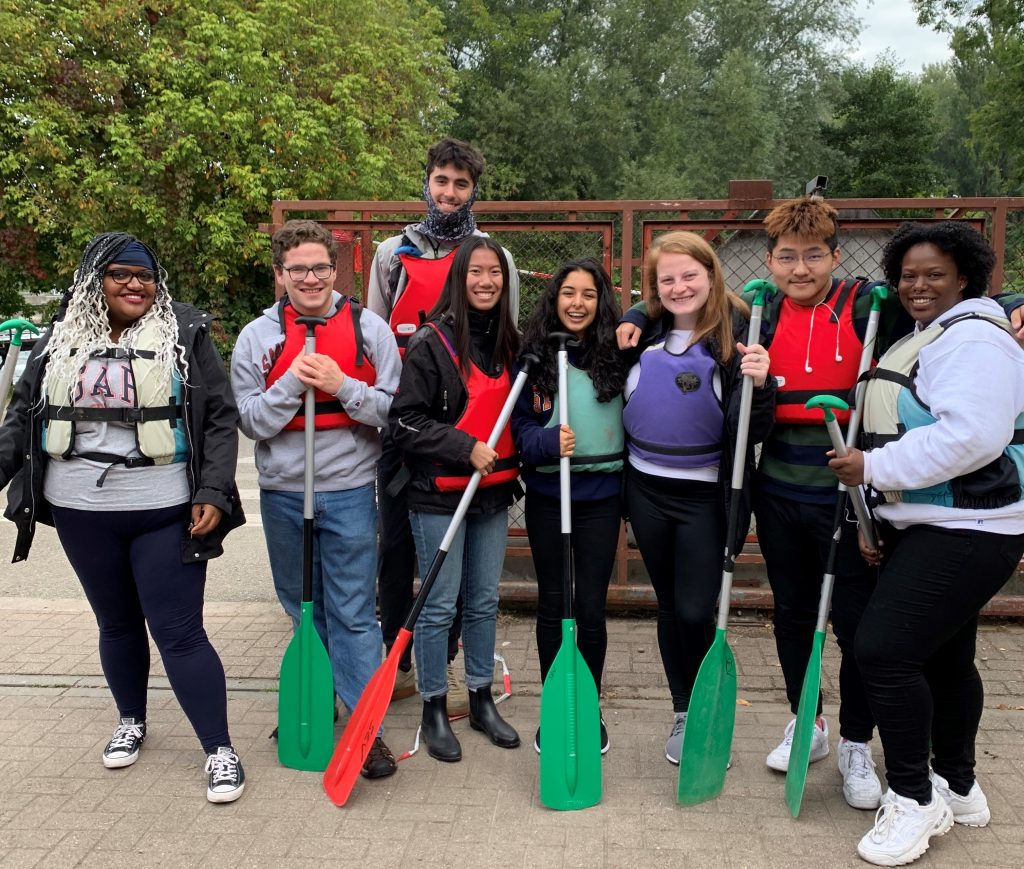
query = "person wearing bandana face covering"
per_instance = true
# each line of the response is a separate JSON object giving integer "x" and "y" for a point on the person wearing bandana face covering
{"x": 405, "y": 282}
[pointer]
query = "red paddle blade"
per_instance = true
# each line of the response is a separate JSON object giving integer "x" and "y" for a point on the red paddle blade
{"x": 363, "y": 724}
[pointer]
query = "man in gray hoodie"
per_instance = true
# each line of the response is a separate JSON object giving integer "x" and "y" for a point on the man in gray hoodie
{"x": 404, "y": 283}
{"x": 355, "y": 374}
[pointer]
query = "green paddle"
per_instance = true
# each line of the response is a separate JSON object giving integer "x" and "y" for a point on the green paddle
{"x": 807, "y": 711}
{"x": 305, "y": 701}
{"x": 13, "y": 349}
{"x": 707, "y": 739}
{"x": 570, "y": 714}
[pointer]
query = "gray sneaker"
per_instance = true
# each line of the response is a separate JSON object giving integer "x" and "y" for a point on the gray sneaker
{"x": 674, "y": 746}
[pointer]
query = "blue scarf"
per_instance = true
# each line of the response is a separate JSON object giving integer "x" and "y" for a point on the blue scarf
{"x": 441, "y": 226}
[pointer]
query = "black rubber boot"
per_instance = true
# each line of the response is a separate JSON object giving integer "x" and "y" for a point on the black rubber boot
{"x": 483, "y": 715}
{"x": 437, "y": 732}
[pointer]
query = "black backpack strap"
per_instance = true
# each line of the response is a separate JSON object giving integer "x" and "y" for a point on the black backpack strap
{"x": 357, "y": 330}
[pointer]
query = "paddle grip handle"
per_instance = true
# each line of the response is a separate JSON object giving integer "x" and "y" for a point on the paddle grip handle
{"x": 309, "y": 461}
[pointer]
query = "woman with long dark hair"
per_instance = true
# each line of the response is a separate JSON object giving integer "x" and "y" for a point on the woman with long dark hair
{"x": 454, "y": 383}
{"x": 578, "y": 300}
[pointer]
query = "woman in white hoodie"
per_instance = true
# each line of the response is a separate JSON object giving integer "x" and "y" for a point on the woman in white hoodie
{"x": 944, "y": 466}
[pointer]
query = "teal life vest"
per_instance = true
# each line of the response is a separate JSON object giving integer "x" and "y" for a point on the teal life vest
{"x": 600, "y": 438}
{"x": 892, "y": 407}
{"x": 157, "y": 412}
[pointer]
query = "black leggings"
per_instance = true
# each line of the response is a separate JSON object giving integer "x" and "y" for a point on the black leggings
{"x": 679, "y": 526}
{"x": 595, "y": 534}
{"x": 915, "y": 646}
{"x": 129, "y": 564}
{"x": 795, "y": 538}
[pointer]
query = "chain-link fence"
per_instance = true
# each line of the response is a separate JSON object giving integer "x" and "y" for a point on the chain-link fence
{"x": 542, "y": 236}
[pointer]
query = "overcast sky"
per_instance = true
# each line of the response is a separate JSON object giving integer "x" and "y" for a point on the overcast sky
{"x": 892, "y": 25}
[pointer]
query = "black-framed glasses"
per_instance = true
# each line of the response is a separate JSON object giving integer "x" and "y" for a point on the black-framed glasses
{"x": 146, "y": 277}
{"x": 321, "y": 271}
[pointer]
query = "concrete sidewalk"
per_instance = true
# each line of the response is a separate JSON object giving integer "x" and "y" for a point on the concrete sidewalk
{"x": 60, "y": 807}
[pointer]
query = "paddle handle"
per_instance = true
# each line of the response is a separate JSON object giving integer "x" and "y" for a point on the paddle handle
{"x": 309, "y": 461}
{"x": 860, "y": 507}
{"x": 13, "y": 349}
{"x": 564, "y": 340}
{"x": 739, "y": 465}
{"x": 528, "y": 360}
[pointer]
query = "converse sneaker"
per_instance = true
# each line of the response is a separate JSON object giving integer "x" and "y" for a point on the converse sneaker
{"x": 971, "y": 811}
{"x": 778, "y": 758}
{"x": 674, "y": 746}
{"x": 902, "y": 829}
{"x": 380, "y": 762}
{"x": 124, "y": 745}
{"x": 226, "y": 777}
{"x": 861, "y": 786}
{"x": 458, "y": 695}
{"x": 536, "y": 741}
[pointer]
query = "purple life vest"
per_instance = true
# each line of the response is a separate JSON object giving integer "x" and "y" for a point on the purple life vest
{"x": 673, "y": 418}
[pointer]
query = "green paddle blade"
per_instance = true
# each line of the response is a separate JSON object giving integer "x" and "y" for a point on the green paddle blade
{"x": 570, "y": 726}
{"x": 305, "y": 702}
{"x": 803, "y": 733}
{"x": 707, "y": 739}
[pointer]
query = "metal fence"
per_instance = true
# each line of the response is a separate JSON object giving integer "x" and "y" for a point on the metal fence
{"x": 543, "y": 235}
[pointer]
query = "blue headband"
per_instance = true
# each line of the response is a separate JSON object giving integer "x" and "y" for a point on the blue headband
{"x": 135, "y": 254}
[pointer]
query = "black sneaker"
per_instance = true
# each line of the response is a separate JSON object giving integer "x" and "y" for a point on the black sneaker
{"x": 273, "y": 735}
{"x": 380, "y": 762}
{"x": 536, "y": 741}
{"x": 226, "y": 777}
{"x": 605, "y": 744}
{"x": 124, "y": 745}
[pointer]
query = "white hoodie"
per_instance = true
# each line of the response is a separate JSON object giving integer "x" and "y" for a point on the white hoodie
{"x": 972, "y": 379}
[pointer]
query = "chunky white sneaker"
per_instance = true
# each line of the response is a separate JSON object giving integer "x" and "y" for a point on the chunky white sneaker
{"x": 778, "y": 758}
{"x": 124, "y": 745}
{"x": 971, "y": 811}
{"x": 226, "y": 778}
{"x": 861, "y": 786}
{"x": 902, "y": 829}
{"x": 674, "y": 746}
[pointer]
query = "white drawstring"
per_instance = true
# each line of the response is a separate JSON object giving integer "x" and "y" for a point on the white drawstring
{"x": 810, "y": 334}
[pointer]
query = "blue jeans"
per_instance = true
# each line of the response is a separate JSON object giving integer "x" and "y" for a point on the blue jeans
{"x": 344, "y": 576}
{"x": 473, "y": 565}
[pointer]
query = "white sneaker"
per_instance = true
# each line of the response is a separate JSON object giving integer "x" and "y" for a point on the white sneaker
{"x": 971, "y": 811}
{"x": 861, "y": 786}
{"x": 902, "y": 829}
{"x": 778, "y": 758}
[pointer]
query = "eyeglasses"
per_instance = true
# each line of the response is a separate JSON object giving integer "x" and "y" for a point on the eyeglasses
{"x": 321, "y": 272}
{"x": 812, "y": 259}
{"x": 123, "y": 277}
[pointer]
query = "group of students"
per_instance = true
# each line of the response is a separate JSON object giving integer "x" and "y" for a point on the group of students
{"x": 123, "y": 434}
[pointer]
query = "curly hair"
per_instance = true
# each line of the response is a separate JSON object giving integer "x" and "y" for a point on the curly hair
{"x": 296, "y": 232}
{"x": 83, "y": 327}
{"x": 972, "y": 254}
{"x": 600, "y": 356}
{"x": 805, "y": 218}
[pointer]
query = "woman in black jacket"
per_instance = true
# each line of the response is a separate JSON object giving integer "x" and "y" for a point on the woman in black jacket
{"x": 454, "y": 383}
{"x": 681, "y": 416}
{"x": 122, "y": 433}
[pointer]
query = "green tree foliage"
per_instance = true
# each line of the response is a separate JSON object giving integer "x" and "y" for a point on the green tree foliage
{"x": 882, "y": 133}
{"x": 644, "y": 98}
{"x": 988, "y": 43}
{"x": 182, "y": 121}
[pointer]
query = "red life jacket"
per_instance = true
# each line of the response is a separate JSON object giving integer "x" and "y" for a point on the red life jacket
{"x": 342, "y": 340}
{"x": 815, "y": 350}
{"x": 486, "y": 397}
{"x": 426, "y": 278}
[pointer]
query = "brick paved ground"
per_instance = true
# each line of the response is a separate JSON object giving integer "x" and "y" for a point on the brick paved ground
{"x": 60, "y": 807}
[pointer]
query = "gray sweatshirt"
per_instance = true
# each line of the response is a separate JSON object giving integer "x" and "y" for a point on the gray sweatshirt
{"x": 346, "y": 457}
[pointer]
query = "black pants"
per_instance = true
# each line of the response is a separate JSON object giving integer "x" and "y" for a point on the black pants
{"x": 595, "y": 535}
{"x": 129, "y": 564}
{"x": 795, "y": 539}
{"x": 916, "y": 646}
{"x": 396, "y": 558}
{"x": 679, "y": 526}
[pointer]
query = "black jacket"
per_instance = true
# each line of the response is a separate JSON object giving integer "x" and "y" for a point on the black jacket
{"x": 762, "y": 415}
{"x": 210, "y": 416}
{"x": 431, "y": 398}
